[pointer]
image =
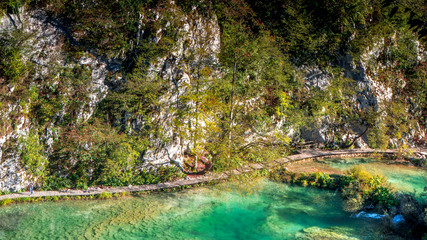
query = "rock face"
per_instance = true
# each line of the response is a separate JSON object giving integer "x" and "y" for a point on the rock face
{"x": 370, "y": 93}
{"x": 316, "y": 78}
{"x": 198, "y": 34}
{"x": 12, "y": 176}
{"x": 368, "y": 96}
{"x": 197, "y": 46}
{"x": 43, "y": 48}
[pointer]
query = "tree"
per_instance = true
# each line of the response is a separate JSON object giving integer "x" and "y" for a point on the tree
{"x": 257, "y": 76}
{"x": 120, "y": 163}
{"x": 32, "y": 156}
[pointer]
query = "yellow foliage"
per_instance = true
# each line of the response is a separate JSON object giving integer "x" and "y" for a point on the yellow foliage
{"x": 360, "y": 172}
{"x": 285, "y": 104}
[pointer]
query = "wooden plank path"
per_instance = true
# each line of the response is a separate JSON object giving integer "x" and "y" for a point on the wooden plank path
{"x": 130, "y": 188}
{"x": 304, "y": 154}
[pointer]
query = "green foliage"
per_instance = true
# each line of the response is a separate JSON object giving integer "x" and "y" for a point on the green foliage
{"x": 312, "y": 31}
{"x": 22, "y": 199}
{"x": 11, "y": 6}
{"x": 382, "y": 196}
{"x": 94, "y": 153}
{"x": 317, "y": 179}
{"x": 66, "y": 89}
{"x": 139, "y": 95}
{"x": 104, "y": 195}
{"x": 12, "y": 48}
{"x": 147, "y": 176}
{"x": 169, "y": 173}
{"x": 315, "y": 31}
{"x": 117, "y": 23}
{"x": 417, "y": 89}
{"x": 6, "y": 202}
{"x": 121, "y": 162}
{"x": 32, "y": 156}
{"x": 377, "y": 137}
{"x": 414, "y": 212}
{"x": 319, "y": 33}
{"x": 258, "y": 75}
{"x": 369, "y": 189}
{"x": 53, "y": 182}
{"x": 202, "y": 7}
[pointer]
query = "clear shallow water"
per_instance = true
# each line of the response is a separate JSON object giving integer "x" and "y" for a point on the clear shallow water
{"x": 402, "y": 178}
{"x": 272, "y": 211}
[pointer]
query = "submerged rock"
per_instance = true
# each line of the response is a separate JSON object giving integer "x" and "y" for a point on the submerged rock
{"x": 323, "y": 233}
{"x": 364, "y": 214}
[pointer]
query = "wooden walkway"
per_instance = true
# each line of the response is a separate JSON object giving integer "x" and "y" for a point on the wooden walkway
{"x": 96, "y": 191}
{"x": 305, "y": 154}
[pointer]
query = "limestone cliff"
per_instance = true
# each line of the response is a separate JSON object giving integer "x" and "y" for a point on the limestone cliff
{"x": 62, "y": 74}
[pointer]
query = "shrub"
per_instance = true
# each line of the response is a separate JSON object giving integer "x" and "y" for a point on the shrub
{"x": 359, "y": 187}
{"x": 359, "y": 173}
{"x": 104, "y": 195}
{"x": 6, "y": 201}
{"x": 382, "y": 197}
{"x": 353, "y": 204}
{"x": 23, "y": 199}
{"x": 322, "y": 180}
{"x": 4, "y": 192}
{"x": 53, "y": 182}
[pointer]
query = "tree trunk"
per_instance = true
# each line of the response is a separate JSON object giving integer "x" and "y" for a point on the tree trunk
{"x": 354, "y": 140}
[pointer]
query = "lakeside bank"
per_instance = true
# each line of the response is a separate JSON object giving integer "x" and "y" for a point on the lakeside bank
{"x": 306, "y": 154}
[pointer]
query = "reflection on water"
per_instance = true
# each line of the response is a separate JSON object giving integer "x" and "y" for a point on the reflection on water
{"x": 273, "y": 211}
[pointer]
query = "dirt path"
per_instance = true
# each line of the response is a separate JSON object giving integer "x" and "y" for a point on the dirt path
{"x": 305, "y": 154}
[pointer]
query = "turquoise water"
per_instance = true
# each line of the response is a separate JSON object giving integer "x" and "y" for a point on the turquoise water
{"x": 401, "y": 177}
{"x": 271, "y": 211}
